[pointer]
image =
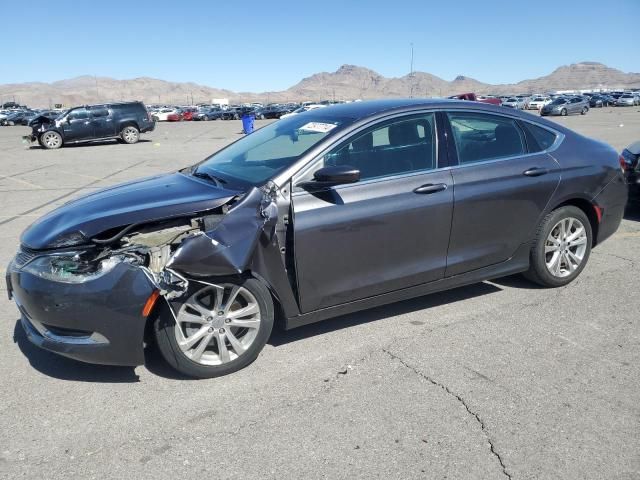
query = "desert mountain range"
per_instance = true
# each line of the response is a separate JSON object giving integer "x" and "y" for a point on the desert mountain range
{"x": 348, "y": 82}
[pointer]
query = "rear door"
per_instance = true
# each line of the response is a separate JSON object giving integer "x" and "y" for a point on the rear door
{"x": 103, "y": 122}
{"x": 575, "y": 105}
{"x": 77, "y": 125}
{"x": 386, "y": 232}
{"x": 502, "y": 185}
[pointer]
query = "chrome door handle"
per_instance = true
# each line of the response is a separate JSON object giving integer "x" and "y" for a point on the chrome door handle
{"x": 430, "y": 188}
{"x": 536, "y": 172}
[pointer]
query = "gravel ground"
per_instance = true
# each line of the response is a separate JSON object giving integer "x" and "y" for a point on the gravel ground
{"x": 496, "y": 380}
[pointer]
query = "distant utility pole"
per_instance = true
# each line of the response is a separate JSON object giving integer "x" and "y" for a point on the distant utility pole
{"x": 95, "y": 78}
{"x": 411, "y": 66}
{"x": 411, "y": 73}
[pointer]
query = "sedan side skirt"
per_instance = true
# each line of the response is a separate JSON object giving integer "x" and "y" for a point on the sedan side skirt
{"x": 518, "y": 263}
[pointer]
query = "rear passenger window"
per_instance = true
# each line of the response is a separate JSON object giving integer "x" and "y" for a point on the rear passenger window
{"x": 538, "y": 138}
{"x": 393, "y": 148}
{"x": 479, "y": 137}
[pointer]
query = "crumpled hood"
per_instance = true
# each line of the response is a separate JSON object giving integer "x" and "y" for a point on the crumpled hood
{"x": 39, "y": 120}
{"x": 145, "y": 200}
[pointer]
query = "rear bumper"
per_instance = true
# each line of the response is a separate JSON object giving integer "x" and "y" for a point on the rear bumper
{"x": 99, "y": 321}
{"x": 633, "y": 181}
{"x": 613, "y": 200}
{"x": 147, "y": 127}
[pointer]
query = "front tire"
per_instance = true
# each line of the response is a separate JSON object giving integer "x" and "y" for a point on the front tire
{"x": 561, "y": 248}
{"x": 50, "y": 140}
{"x": 218, "y": 329}
{"x": 563, "y": 112}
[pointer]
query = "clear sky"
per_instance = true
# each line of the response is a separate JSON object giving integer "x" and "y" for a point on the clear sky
{"x": 270, "y": 45}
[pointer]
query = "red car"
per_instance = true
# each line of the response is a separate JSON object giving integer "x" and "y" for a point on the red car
{"x": 473, "y": 98}
{"x": 188, "y": 113}
{"x": 174, "y": 117}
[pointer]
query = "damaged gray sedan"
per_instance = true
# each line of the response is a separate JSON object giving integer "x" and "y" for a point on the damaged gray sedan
{"x": 314, "y": 216}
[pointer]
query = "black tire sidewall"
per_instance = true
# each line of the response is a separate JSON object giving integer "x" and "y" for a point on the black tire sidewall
{"x": 168, "y": 345}
{"x": 538, "y": 271}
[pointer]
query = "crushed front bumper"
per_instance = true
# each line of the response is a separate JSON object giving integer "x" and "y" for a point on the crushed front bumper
{"x": 99, "y": 321}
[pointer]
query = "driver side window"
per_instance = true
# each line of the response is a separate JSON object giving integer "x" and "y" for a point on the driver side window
{"x": 391, "y": 148}
{"x": 79, "y": 114}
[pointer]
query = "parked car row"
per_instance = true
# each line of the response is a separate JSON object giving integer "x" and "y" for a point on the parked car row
{"x": 232, "y": 112}
{"x": 9, "y": 118}
{"x": 593, "y": 99}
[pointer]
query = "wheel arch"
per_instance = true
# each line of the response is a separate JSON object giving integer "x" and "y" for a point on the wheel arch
{"x": 589, "y": 209}
{"x": 127, "y": 123}
{"x": 161, "y": 304}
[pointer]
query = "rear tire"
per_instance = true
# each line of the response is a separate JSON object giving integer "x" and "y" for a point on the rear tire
{"x": 130, "y": 134}
{"x": 563, "y": 112}
{"x": 207, "y": 340}
{"x": 584, "y": 111}
{"x": 561, "y": 247}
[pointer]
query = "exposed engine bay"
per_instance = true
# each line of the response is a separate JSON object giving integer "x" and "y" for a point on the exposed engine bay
{"x": 243, "y": 234}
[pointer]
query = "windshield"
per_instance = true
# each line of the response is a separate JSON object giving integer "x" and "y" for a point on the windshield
{"x": 63, "y": 114}
{"x": 263, "y": 154}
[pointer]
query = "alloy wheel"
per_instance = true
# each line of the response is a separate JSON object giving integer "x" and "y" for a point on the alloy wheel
{"x": 130, "y": 135}
{"x": 217, "y": 324}
{"x": 565, "y": 247}
{"x": 51, "y": 140}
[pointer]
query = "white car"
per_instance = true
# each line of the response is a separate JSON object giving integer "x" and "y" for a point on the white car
{"x": 162, "y": 114}
{"x": 537, "y": 102}
{"x": 303, "y": 109}
{"x": 514, "y": 102}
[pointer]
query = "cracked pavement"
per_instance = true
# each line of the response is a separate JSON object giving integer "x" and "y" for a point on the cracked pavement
{"x": 492, "y": 381}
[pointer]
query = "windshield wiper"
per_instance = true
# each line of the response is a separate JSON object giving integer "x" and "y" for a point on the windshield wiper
{"x": 208, "y": 176}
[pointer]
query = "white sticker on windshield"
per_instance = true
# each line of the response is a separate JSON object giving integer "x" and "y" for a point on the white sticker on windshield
{"x": 317, "y": 127}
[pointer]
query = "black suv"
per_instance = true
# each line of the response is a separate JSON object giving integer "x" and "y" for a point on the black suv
{"x": 124, "y": 121}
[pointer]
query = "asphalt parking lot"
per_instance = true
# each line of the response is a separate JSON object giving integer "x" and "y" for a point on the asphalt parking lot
{"x": 496, "y": 380}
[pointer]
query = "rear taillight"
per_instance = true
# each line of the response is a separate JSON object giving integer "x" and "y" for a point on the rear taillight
{"x": 623, "y": 163}
{"x": 598, "y": 211}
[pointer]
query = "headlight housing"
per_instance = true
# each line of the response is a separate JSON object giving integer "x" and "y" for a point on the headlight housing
{"x": 70, "y": 267}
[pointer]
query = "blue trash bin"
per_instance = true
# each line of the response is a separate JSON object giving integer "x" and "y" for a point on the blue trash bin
{"x": 247, "y": 123}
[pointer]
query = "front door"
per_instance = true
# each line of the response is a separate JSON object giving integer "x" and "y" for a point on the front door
{"x": 77, "y": 125}
{"x": 388, "y": 231}
{"x": 502, "y": 186}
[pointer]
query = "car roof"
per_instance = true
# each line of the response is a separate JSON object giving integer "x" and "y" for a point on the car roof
{"x": 361, "y": 110}
{"x": 357, "y": 110}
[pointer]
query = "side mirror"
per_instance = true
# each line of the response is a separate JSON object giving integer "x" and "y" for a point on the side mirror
{"x": 330, "y": 176}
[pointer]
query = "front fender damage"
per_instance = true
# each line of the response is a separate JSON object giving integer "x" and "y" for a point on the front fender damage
{"x": 246, "y": 237}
